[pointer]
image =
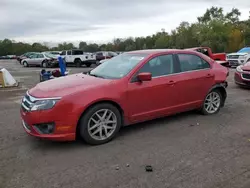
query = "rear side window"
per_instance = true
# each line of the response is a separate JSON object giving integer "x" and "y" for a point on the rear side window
{"x": 99, "y": 54}
{"x": 159, "y": 66}
{"x": 190, "y": 62}
{"x": 77, "y": 52}
{"x": 40, "y": 56}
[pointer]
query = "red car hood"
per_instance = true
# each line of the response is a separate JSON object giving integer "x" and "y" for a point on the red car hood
{"x": 246, "y": 67}
{"x": 63, "y": 86}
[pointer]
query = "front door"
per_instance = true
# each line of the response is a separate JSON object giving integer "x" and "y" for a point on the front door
{"x": 68, "y": 57}
{"x": 155, "y": 98}
{"x": 40, "y": 59}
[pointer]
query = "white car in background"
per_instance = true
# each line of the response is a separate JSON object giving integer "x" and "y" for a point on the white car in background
{"x": 78, "y": 58}
{"x": 55, "y": 53}
{"x": 40, "y": 59}
{"x": 239, "y": 58}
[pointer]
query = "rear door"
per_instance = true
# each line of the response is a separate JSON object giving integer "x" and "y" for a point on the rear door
{"x": 40, "y": 59}
{"x": 68, "y": 57}
{"x": 195, "y": 80}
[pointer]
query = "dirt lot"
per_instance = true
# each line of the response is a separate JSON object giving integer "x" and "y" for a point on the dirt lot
{"x": 186, "y": 151}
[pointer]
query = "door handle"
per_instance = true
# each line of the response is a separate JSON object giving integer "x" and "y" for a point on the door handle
{"x": 209, "y": 75}
{"x": 171, "y": 82}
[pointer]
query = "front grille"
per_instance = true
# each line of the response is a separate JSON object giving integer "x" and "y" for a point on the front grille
{"x": 27, "y": 103}
{"x": 246, "y": 76}
{"x": 233, "y": 62}
{"x": 233, "y": 57}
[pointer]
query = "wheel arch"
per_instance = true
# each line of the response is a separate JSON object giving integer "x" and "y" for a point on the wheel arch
{"x": 76, "y": 59}
{"x": 118, "y": 106}
{"x": 222, "y": 90}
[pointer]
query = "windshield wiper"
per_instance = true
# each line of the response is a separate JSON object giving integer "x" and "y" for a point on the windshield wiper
{"x": 98, "y": 76}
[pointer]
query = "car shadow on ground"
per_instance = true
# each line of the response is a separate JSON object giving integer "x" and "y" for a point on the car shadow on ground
{"x": 125, "y": 131}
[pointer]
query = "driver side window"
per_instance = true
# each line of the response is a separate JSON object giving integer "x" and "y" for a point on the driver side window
{"x": 159, "y": 66}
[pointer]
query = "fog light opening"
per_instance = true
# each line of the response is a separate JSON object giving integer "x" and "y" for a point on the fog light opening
{"x": 45, "y": 128}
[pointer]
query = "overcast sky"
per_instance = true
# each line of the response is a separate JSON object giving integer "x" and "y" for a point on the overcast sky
{"x": 100, "y": 20}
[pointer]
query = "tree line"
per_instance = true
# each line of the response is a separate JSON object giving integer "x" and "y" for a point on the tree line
{"x": 222, "y": 32}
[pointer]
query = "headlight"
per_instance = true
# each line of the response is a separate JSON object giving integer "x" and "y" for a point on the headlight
{"x": 44, "y": 104}
{"x": 243, "y": 56}
{"x": 238, "y": 69}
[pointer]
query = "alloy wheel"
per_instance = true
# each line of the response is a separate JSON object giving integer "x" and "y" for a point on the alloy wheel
{"x": 102, "y": 124}
{"x": 212, "y": 102}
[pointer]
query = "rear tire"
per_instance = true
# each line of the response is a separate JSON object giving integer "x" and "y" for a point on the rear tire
{"x": 100, "y": 124}
{"x": 78, "y": 63}
{"x": 212, "y": 103}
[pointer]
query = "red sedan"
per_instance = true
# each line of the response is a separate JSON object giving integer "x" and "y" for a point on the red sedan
{"x": 242, "y": 75}
{"x": 129, "y": 88}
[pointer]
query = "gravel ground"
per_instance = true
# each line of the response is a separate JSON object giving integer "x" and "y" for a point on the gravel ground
{"x": 186, "y": 151}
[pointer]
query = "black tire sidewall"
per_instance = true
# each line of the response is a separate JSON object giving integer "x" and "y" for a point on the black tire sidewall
{"x": 25, "y": 64}
{"x": 85, "y": 118}
{"x": 204, "y": 111}
{"x": 46, "y": 64}
{"x": 78, "y": 62}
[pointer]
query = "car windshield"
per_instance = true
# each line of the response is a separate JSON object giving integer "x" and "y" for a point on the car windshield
{"x": 118, "y": 66}
{"x": 244, "y": 50}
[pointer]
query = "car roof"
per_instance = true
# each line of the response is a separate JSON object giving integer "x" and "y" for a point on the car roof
{"x": 155, "y": 51}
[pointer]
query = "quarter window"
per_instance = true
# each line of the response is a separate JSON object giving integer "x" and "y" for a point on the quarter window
{"x": 159, "y": 66}
{"x": 189, "y": 62}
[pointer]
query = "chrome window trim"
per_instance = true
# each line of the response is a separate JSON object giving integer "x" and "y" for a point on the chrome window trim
{"x": 181, "y": 73}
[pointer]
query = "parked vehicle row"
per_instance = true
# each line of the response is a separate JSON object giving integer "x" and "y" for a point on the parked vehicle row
{"x": 71, "y": 57}
{"x": 133, "y": 87}
{"x": 8, "y": 57}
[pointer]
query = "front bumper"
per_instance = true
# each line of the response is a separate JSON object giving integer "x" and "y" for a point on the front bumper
{"x": 64, "y": 129}
{"x": 235, "y": 62}
{"x": 242, "y": 79}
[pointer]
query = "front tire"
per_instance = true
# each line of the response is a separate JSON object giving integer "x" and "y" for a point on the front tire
{"x": 212, "y": 103}
{"x": 25, "y": 64}
{"x": 78, "y": 62}
{"x": 44, "y": 64}
{"x": 88, "y": 65}
{"x": 100, "y": 124}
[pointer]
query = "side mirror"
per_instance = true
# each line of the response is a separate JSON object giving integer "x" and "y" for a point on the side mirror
{"x": 144, "y": 76}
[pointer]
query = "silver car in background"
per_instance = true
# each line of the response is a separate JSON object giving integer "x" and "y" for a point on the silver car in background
{"x": 41, "y": 59}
